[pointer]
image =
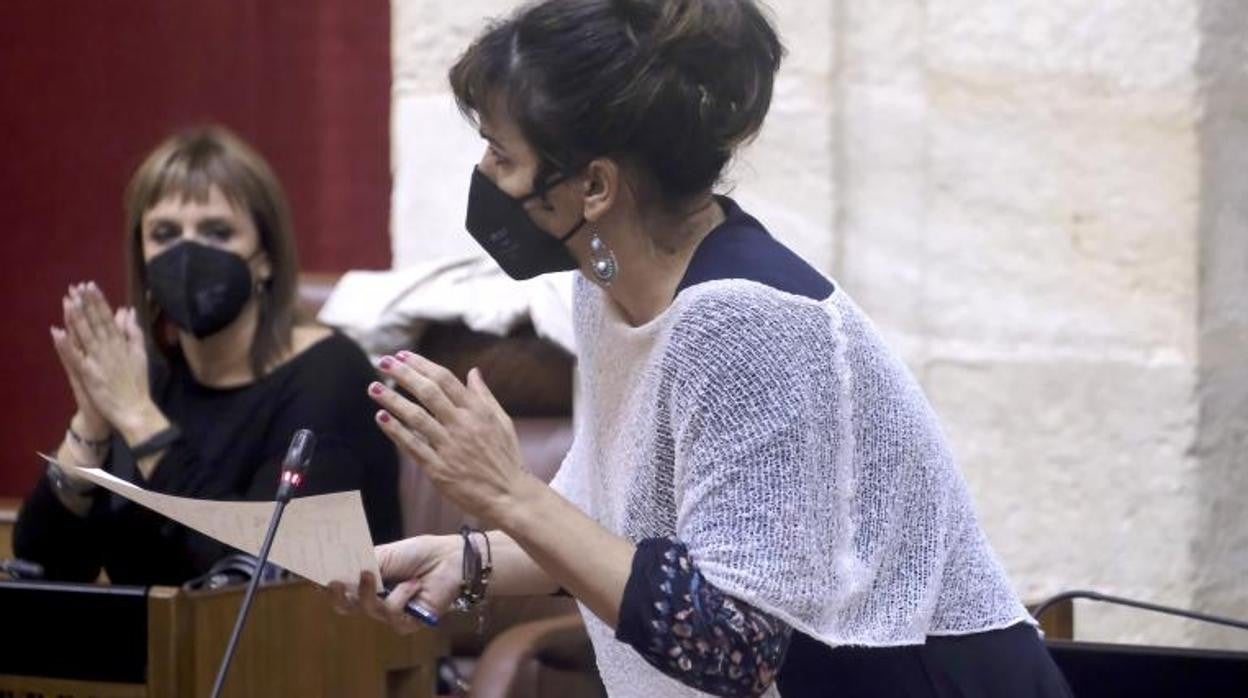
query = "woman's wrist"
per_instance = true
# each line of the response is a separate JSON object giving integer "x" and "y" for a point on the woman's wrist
{"x": 88, "y": 428}
{"x": 477, "y": 566}
{"x": 73, "y": 493}
{"x": 81, "y": 450}
{"x": 142, "y": 423}
{"x": 84, "y": 456}
{"x": 523, "y": 505}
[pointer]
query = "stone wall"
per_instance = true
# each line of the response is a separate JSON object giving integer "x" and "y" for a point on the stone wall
{"x": 1046, "y": 257}
{"x": 1220, "y": 543}
{"x": 1042, "y": 205}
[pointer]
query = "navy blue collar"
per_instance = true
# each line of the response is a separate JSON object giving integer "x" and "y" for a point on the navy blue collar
{"x": 741, "y": 248}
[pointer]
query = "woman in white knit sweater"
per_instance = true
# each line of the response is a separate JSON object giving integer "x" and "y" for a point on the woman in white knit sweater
{"x": 758, "y": 496}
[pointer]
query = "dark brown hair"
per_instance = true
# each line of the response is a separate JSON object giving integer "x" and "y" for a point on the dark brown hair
{"x": 188, "y": 165}
{"x": 669, "y": 87}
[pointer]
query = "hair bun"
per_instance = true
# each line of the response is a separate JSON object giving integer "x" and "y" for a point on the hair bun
{"x": 723, "y": 53}
{"x": 674, "y": 85}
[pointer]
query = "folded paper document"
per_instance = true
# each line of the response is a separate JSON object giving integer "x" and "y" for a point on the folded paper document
{"x": 322, "y": 538}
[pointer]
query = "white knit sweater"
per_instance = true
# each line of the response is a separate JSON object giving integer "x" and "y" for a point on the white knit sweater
{"x": 785, "y": 444}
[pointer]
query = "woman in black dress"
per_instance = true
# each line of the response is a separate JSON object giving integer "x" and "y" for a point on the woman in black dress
{"x": 196, "y": 389}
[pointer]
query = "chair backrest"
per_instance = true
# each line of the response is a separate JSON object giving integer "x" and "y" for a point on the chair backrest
{"x": 530, "y": 376}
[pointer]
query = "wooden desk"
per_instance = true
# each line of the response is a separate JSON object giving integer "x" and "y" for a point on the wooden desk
{"x": 8, "y": 517}
{"x": 294, "y": 645}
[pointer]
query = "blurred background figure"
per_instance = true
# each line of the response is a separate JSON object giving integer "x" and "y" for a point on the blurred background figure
{"x": 196, "y": 388}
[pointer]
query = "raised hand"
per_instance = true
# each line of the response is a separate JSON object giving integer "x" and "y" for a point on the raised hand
{"x": 87, "y": 422}
{"x": 104, "y": 351}
{"x": 461, "y": 437}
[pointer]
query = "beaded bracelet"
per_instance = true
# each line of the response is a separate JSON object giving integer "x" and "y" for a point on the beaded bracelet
{"x": 476, "y": 572}
{"x": 96, "y": 445}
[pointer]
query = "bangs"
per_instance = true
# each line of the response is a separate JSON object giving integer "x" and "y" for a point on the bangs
{"x": 189, "y": 173}
{"x": 478, "y": 78}
{"x": 491, "y": 80}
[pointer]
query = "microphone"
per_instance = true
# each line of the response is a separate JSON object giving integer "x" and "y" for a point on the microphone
{"x": 294, "y": 468}
{"x": 295, "y": 464}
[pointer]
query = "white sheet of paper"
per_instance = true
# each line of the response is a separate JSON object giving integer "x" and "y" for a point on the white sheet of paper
{"x": 322, "y": 538}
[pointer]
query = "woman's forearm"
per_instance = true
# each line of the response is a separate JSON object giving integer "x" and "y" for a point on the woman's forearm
{"x": 573, "y": 550}
{"x": 515, "y": 572}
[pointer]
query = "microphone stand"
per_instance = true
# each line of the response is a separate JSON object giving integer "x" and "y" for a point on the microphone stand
{"x": 294, "y": 465}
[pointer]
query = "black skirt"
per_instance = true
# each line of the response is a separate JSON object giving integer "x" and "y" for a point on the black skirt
{"x": 1010, "y": 662}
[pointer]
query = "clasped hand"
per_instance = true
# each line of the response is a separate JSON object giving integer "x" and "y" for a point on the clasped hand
{"x": 104, "y": 358}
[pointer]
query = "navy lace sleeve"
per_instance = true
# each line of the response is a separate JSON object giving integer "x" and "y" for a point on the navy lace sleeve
{"x": 690, "y": 630}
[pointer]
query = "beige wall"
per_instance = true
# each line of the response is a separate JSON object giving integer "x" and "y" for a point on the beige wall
{"x": 1221, "y": 540}
{"x": 1042, "y": 205}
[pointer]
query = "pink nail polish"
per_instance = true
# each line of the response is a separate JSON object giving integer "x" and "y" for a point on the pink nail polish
{"x": 375, "y": 388}
{"x": 404, "y": 355}
{"x": 383, "y": 416}
{"x": 386, "y": 363}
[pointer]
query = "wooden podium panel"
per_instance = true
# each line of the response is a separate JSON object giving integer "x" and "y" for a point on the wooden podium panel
{"x": 293, "y": 644}
{"x": 8, "y": 518}
{"x": 296, "y": 644}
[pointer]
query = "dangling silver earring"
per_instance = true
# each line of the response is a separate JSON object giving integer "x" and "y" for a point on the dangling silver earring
{"x": 602, "y": 260}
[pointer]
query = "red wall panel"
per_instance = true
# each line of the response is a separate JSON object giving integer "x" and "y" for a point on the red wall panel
{"x": 87, "y": 88}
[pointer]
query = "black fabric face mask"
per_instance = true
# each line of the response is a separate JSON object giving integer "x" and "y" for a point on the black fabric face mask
{"x": 201, "y": 288}
{"x": 499, "y": 223}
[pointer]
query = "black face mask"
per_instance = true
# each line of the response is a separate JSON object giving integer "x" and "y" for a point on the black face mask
{"x": 499, "y": 223}
{"x": 201, "y": 288}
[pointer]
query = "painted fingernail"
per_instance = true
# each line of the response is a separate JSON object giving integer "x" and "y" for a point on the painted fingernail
{"x": 375, "y": 388}
{"x": 383, "y": 416}
{"x": 386, "y": 363}
{"x": 404, "y": 355}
